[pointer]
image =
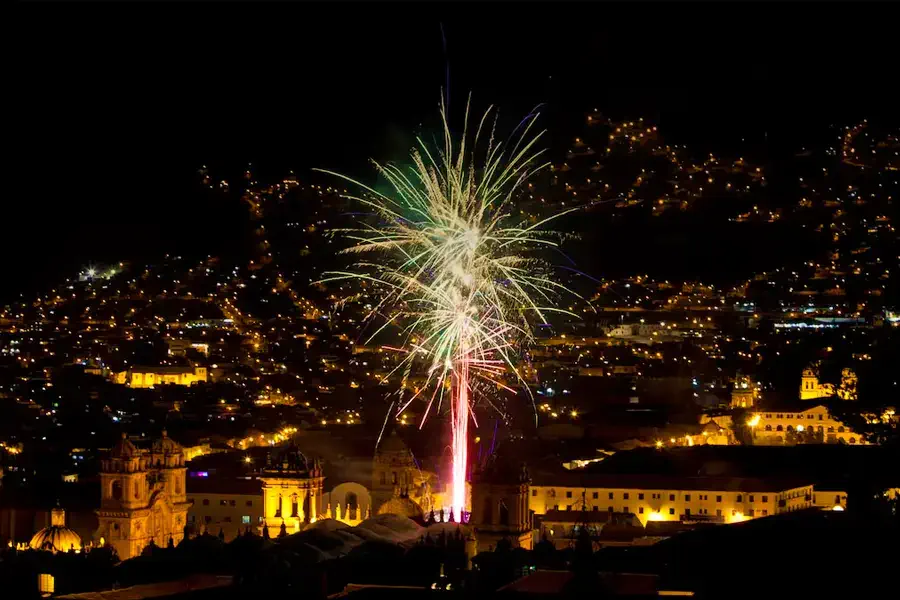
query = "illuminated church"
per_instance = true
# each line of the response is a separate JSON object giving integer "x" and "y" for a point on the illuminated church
{"x": 143, "y": 496}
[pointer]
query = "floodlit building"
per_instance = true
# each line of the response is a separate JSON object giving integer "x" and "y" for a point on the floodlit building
{"x": 776, "y": 426}
{"x": 670, "y": 498}
{"x": 148, "y": 377}
{"x": 812, "y": 389}
{"x": 143, "y": 496}
{"x": 56, "y": 537}
{"x": 292, "y": 491}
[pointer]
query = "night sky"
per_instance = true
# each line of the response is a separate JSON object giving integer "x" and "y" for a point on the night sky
{"x": 114, "y": 108}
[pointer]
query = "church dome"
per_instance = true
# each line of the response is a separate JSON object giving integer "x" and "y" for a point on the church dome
{"x": 403, "y": 506}
{"x": 166, "y": 445}
{"x": 124, "y": 448}
{"x": 57, "y": 537}
{"x": 393, "y": 445}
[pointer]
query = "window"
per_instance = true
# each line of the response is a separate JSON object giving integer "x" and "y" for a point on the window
{"x": 223, "y": 502}
{"x": 206, "y": 502}
{"x": 245, "y": 519}
{"x": 611, "y": 509}
{"x": 837, "y": 499}
{"x": 625, "y": 496}
{"x": 207, "y": 519}
{"x": 504, "y": 512}
{"x": 228, "y": 519}
{"x": 595, "y": 495}
{"x": 568, "y": 507}
{"x": 533, "y": 493}
{"x": 569, "y": 494}
{"x": 249, "y": 502}
{"x": 750, "y": 512}
{"x": 687, "y": 497}
{"x": 640, "y": 510}
{"x": 232, "y": 503}
{"x": 595, "y": 508}
{"x": 624, "y": 509}
{"x": 820, "y": 417}
{"x": 687, "y": 512}
{"x": 740, "y": 498}
{"x": 610, "y": 495}
{"x": 718, "y": 512}
{"x": 671, "y": 497}
{"x": 294, "y": 506}
{"x": 841, "y": 429}
{"x": 640, "y": 496}
{"x": 765, "y": 498}
{"x": 718, "y": 498}
{"x": 765, "y": 512}
{"x": 768, "y": 428}
{"x": 751, "y": 497}
{"x": 671, "y": 511}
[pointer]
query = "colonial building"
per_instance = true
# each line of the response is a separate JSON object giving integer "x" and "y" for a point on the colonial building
{"x": 812, "y": 389}
{"x": 664, "y": 498}
{"x": 143, "y": 497}
{"x": 394, "y": 471}
{"x": 500, "y": 506}
{"x": 148, "y": 377}
{"x": 778, "y": 426}
{"x": 229, "y": 505}
{"x": 292, "y": 491}
{"x": 745, "y": 393}
{"x": 57, "y": 537}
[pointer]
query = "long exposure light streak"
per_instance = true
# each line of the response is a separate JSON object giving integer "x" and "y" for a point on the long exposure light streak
{"x": 452, "y": 272}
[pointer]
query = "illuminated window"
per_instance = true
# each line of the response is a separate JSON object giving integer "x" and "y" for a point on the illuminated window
{"x": 245, "y": 519}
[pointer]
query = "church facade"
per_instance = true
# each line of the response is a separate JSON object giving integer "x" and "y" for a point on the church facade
{"x": 143, "y": 496}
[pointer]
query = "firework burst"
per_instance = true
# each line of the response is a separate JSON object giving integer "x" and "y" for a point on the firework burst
{"x": 455, "y": 270}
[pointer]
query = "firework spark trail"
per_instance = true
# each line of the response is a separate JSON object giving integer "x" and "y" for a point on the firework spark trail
{"x": 452, "y": 270}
